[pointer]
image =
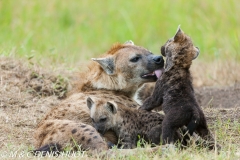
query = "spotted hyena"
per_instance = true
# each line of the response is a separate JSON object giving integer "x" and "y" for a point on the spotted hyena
{"x": 174, "y": 91}
{"x": 70, "y": 134}
{"x": 128, "y": 123}
{"x": 115, "y": 76}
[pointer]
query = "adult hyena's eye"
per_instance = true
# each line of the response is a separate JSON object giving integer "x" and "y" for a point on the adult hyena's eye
{"x": 92, "y": 120}
{"x": 135, "y": 59}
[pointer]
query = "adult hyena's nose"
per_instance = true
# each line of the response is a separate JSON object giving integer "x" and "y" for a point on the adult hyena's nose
{"x": 158, "y": 59}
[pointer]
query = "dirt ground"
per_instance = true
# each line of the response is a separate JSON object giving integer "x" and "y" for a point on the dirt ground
{"x": 27, "y": 92}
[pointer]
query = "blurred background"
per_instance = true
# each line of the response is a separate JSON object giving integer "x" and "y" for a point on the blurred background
{"x": 73, "y": 31}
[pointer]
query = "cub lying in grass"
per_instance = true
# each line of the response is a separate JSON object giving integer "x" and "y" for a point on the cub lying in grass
{"x": 128, "y": 123}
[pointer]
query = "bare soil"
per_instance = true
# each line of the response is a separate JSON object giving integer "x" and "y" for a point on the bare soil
{"x": 27, "y": 92}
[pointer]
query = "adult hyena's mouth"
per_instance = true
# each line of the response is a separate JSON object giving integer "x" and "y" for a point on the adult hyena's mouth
{"x": 155, "y": 74}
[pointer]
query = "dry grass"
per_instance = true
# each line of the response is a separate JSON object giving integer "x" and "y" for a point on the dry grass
{"x": 22, "y": 106}
{"x": 216, "y": 73}
{"x": 23, "y": 100}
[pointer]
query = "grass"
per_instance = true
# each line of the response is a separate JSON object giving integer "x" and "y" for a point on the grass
{"x": 230, "y": 148}
{"x": 74, "y": 31}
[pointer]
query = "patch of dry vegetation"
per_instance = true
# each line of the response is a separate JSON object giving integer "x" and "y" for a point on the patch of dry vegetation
{"x": 27, "y": 92}
{"x": 216, "y": 73}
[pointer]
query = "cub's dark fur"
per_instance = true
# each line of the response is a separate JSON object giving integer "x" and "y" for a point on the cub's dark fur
{"x": 174, "y": 91}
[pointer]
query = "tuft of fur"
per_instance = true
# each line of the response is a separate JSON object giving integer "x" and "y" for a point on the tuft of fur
{"x": 174, "y": 91}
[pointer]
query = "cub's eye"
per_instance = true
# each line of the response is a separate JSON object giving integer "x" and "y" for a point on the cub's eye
{"x": 102, "y": 119}
{"x": 135, "y": 59}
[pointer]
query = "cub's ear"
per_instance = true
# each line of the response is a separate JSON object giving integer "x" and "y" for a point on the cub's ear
{"x": 179, "y": 35}
{"x": 129, "y": 42}
{"x": 163, "y": 51}
{"x": 89, "y": 102}
{"x": 107, "y": 64}
{"x": 196, "y": 52}
{"x": 112, "y": 107}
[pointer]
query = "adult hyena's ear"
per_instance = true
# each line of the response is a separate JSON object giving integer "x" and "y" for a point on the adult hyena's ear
{"x": 107, "y": 64}
{"x": 129, "y": 42}
{"x": 89, "y": 102}
{"x": 112, "y": 107}
{"x": 179, "y": 35}
{"x": 196, "y": 52}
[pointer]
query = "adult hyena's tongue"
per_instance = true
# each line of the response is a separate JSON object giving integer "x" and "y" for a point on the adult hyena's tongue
{"x": 158, "y": 73}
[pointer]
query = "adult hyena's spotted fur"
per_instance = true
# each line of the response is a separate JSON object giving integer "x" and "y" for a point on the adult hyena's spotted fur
{"x": 128, "y": 123}
{"x": 71, "y": 135}
{"x": 115, "y": 76}
{"x": 174, "y": 91}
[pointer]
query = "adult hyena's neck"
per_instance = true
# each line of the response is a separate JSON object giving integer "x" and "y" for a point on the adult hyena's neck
{"x": 99, "y": 80}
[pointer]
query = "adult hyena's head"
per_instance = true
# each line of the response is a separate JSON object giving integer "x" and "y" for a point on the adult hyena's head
{"x": 179, "y": 51}
{"x": 103, "y": 114}
{"x": 126, "y": 67}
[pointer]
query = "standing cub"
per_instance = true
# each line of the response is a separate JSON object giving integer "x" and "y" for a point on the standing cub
{"x": 174, "y": 91}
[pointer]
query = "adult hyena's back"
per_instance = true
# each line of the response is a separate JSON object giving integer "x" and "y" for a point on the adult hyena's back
{"x": 74, "y": 108}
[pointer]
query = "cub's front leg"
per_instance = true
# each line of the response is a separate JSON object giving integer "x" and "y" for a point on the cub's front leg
{"x": 168, "y": 130}
{"x": 155, "y": 100}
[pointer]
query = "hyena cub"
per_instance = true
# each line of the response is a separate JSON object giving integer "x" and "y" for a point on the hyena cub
{"x": 128, "y": 123}
{"x": 174, "y": 91}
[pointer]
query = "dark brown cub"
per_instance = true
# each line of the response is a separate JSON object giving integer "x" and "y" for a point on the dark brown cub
{"x": 174, "y": 91}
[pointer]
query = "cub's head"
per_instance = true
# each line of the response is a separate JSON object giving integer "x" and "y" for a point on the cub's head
{"x": 127, "y": 66}
{"x": 103, "y": 114}
{"x": 179, "y": 51}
